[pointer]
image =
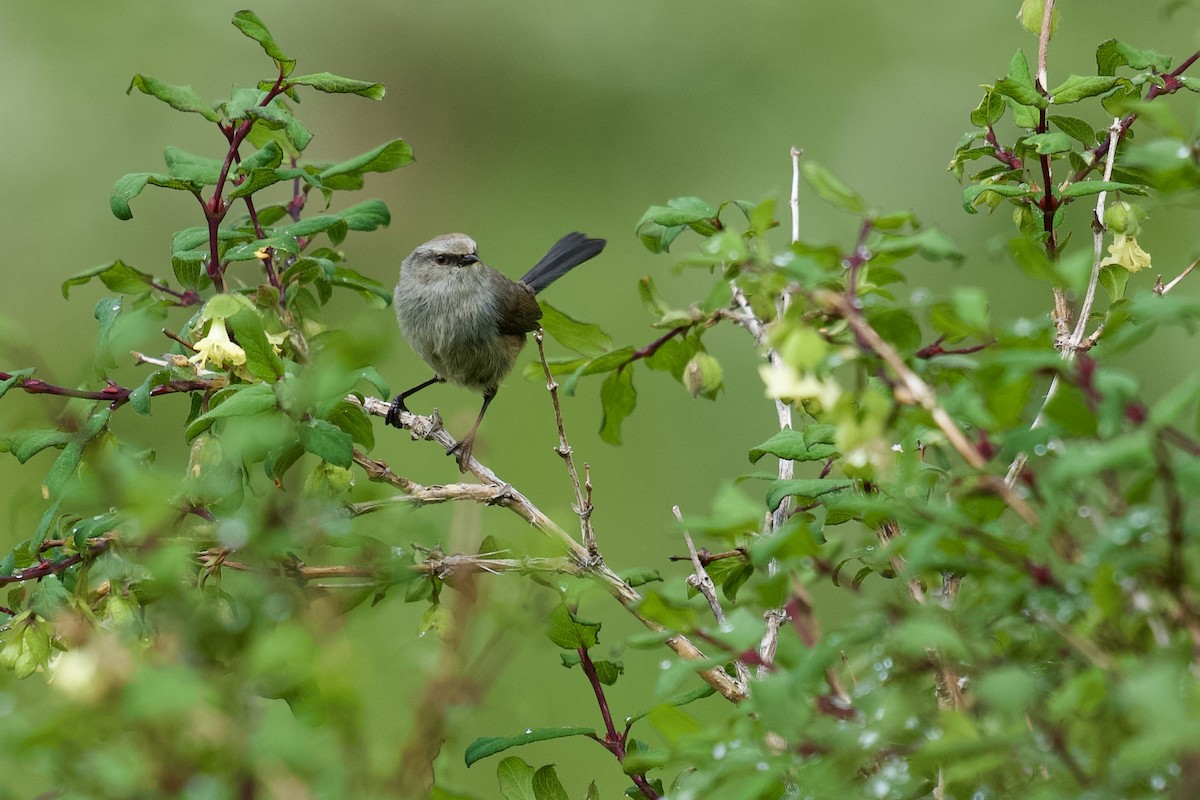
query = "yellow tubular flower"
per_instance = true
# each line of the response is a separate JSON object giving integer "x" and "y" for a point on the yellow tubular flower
{"x": 217, "y": 347}
{"x": 1125, "y": 252}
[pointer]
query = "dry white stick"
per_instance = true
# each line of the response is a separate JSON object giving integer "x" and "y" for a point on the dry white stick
{"x": 1077, "y": 340}
{"x": 704, "y": 584}
{"x": 1159, "y": 288}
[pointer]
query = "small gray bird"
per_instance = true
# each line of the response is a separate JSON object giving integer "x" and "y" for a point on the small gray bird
{"x": 467, "y": 320}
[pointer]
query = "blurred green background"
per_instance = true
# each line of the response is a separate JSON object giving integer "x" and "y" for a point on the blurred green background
{"x": 528, "y": 120}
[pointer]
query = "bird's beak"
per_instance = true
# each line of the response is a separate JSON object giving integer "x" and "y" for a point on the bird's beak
{"x": 470, "y": 258}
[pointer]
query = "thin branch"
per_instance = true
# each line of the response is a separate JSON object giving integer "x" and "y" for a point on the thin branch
{"x": 1169, "y": 84}
{"x": 704, "y": 584}
{"x": 429, "y": 428}
{"x": 795, "y": 203}
{"x": 912, "y": 390}
{"x": 583, "y": 505}
{"x": 42, "y": 569}
{"x": 113, "y": 393}
{"x": 1160, "y": 289}
{"x": 700, "y": 578}
{"x": 1098, "y": 231}
{"x": 1078, "y": 339}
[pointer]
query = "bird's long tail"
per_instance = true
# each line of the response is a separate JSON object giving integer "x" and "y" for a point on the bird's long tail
{"x": 569, "y": 252}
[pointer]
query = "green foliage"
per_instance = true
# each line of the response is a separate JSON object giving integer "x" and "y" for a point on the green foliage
{"x": 1002, "y": 506}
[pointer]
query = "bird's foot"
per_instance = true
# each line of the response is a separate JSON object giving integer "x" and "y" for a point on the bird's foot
{"x": 462, "y": 452}
{"x": 393, "y": 412}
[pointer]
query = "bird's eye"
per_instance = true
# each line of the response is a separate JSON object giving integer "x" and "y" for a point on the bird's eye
{"x": 441, "y": 260}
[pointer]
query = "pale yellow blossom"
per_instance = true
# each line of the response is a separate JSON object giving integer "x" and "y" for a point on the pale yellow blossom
{"x": 217, "y": 347}
{"x": 785, "y": 383}
{"x": 1125, "y": 252}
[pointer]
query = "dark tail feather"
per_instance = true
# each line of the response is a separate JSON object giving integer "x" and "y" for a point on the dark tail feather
{"x": 569, "y": 252}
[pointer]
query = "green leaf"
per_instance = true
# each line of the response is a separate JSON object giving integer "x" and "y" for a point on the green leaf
{"x": 651, "y": 299}
{"x": 971, "y": 307}
{"x": 830, "y": 189}
{"x": 106, "y": 312}
{"x": 28, "y": 443}
{"x": 679, "y": 212}
{"x": 569, "y": 632}
{"x": 269, "y": 156}
{"x": 1049, "y": 143}
{"x": 516, "y": 779}
{"x": 973, "y": 193}
{"x": 1175, "y": 402}
{"x": 327, "y": 442}
{"x": 191, "y": 167}
{"x": 638, "y": 576}
{"x": 276, "y": 117}
{"x": 807, "y": 488}
{"x": 248, "y": 23}
{"x": 261, "y": 178}
{"x": 618, "y": 399}
{"x": 582, "y": 337}
{"x": 1114, "y": 278}
{"x": 1084, "y": 188}
{"x": 1019, "y": 83}
{"x": 117, "y": 276}
{"x": 802, "y": 445}
{"x": 546, "y": 785}
{"x": 989, "y": 111}
{"x": 673, "y": 356}
{"x": 130, "y": 186}
{"x": 67, "y": 463}
{"x": 384, "y": 158}
{"x": 370, "y": 289}
{"x": 139, "y": 398}
{"x": 733, "y": 514}
{"x": 180, "y": 98}
{"x": 351, "y": 418}
{"x": 366, "y": 216}
{"x": 1077, "y": 129}
{"x": 261, "y": 359}
{"x": 241, "y": 400}
{"x": 328, "y": 82}
{"x": 1113, "y": 54}
{"x": 1079, "y": 87}
{"x": 1032, "y": 14}
{"x": 14, "y": 379}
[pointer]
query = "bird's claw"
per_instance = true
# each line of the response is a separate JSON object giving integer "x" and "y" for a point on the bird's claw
{"x": 393, "y": 413}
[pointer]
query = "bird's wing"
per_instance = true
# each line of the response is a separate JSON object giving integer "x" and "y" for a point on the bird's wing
{"x": 519, "y": 311}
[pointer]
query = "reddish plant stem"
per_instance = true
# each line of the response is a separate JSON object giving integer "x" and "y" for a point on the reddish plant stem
{"x": 44, "y": 568}
{"x": 1005, "y": 157}
{"x": 936, "y": 349}
{"x": 860, "y": 256}
{"x": 114, "y": 393}
{"x": 613, "y": 741}
{"x": 216, "y": 208}
{"x": 1170, "y": 85}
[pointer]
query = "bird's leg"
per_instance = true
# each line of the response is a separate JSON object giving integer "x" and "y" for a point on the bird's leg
{"x": 462, "y": 450}
{"x": 393, "y": 413}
